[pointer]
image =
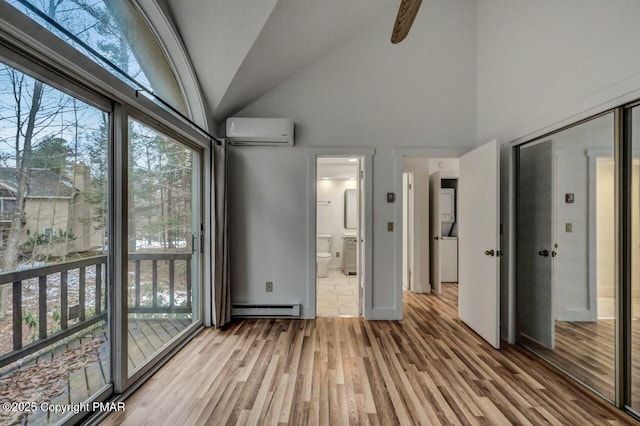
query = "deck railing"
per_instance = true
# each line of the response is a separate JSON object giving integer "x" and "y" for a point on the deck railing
{"x": 8, "y": 216}
{"x": 155, "y": 307}
{"x": 86, "y": 318}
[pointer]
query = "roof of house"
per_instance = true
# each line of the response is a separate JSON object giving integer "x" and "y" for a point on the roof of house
{"x": 42, "y": 183}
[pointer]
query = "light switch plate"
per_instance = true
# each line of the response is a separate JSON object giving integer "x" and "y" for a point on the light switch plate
{"x": 390, "y": 226}
{"x": 269, "y": 286}
{"x": 568, "y": 227}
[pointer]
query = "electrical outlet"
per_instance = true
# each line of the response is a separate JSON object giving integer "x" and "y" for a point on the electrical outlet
{"x": 269, "y": 286}
{"x": 568, "y": 227}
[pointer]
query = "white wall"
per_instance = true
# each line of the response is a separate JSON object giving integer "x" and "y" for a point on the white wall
{"x": 573, "y": 301}
{"x": 540, "y": 62}
{"x": 330, "y": 218}
{"x": 606, "y": 234}
{"x": 366, "y": 93}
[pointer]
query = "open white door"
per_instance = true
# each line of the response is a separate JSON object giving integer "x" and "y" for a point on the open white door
{"x": 479, "y": 251}
{"x": 435, "y": 182}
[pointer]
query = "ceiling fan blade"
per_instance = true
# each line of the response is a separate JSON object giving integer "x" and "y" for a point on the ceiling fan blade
{"x": 406, "y": 14}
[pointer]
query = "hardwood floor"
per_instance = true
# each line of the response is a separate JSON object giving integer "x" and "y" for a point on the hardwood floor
{"x": 586, "y": 351}
{"x": 426, "y": 369}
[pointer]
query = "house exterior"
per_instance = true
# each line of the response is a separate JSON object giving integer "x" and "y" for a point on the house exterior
{"x": 56, "y": 206}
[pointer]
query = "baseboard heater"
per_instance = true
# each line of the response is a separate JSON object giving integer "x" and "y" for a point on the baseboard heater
{"x": 249, "y": 310}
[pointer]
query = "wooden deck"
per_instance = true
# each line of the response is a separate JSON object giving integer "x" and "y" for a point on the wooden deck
{"x": 426, "y": 369}
{"x": 145, "y": 337}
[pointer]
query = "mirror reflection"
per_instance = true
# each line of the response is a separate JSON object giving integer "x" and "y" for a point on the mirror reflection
{"x": 566, "y": 251}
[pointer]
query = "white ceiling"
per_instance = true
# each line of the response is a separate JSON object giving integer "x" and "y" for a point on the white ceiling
{"x": 242, "y": 48}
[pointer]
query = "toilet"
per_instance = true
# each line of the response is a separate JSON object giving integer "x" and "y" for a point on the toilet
{"x": 323, "y": 254}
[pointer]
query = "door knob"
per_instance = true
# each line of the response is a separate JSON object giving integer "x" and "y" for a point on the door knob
{"x": 543, "y": 253}
{"x": 436, "y": 238}
{"x": 553, "y": 253}
{"x": 489, "y": 252}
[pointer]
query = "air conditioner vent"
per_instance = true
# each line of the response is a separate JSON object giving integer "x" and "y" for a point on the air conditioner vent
{"x": 245, "y": 131}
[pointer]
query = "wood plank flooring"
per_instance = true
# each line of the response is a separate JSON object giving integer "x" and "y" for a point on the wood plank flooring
{"x": 426, "y": 369}
{"x": 586, "y": 351}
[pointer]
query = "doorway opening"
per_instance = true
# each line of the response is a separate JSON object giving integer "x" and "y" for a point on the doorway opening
{"x": 339, "y": 228}
{"x": 429, "y": 223}
{"x": 473, "y": 217}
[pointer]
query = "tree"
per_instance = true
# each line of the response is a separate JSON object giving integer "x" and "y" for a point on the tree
{"x": 26, "y": 127}
{"x": 50, "y": 153}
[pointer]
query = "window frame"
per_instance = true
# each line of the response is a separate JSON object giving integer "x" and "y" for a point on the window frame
{"x": 30, "y": 48}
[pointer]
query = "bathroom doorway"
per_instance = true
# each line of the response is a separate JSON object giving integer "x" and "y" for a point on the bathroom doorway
{"x": 338, "y": 236}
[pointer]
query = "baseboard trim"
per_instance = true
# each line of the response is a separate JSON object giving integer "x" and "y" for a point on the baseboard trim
{"x": 384, "y": 314}
{"x": 581, "y": 315}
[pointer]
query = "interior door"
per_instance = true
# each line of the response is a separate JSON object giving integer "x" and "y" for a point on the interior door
{"x": 435, "y": 182}
{"x": 478, "y": 239}
{"x": 535, "y": 250}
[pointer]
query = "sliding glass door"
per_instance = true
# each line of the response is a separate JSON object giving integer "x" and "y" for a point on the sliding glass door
{"x": 163, "y": 242}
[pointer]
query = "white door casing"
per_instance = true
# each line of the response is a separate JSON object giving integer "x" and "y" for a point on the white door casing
{"x": 435, "y": 182}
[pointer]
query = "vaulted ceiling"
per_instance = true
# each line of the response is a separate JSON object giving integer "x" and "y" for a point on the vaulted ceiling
{"x": 242, "y": 48}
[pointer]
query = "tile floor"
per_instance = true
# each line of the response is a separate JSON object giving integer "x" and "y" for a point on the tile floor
{"x": 337, "y": 295}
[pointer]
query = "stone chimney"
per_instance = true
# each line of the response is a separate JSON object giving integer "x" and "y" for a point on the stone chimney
{"x": 80, "y": 177}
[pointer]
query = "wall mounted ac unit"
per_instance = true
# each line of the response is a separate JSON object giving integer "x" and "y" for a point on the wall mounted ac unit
{"x": 260, "y": 131}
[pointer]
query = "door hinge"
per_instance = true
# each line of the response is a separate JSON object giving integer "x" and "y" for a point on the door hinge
{"x": 410, "y": 186}
{"x": 361, "y": 174}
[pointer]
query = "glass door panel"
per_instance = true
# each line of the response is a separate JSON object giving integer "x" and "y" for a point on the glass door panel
{"x": 163, "y": 242}
{"x": 54, "y": 292}
{"x": 566, "y": 296}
